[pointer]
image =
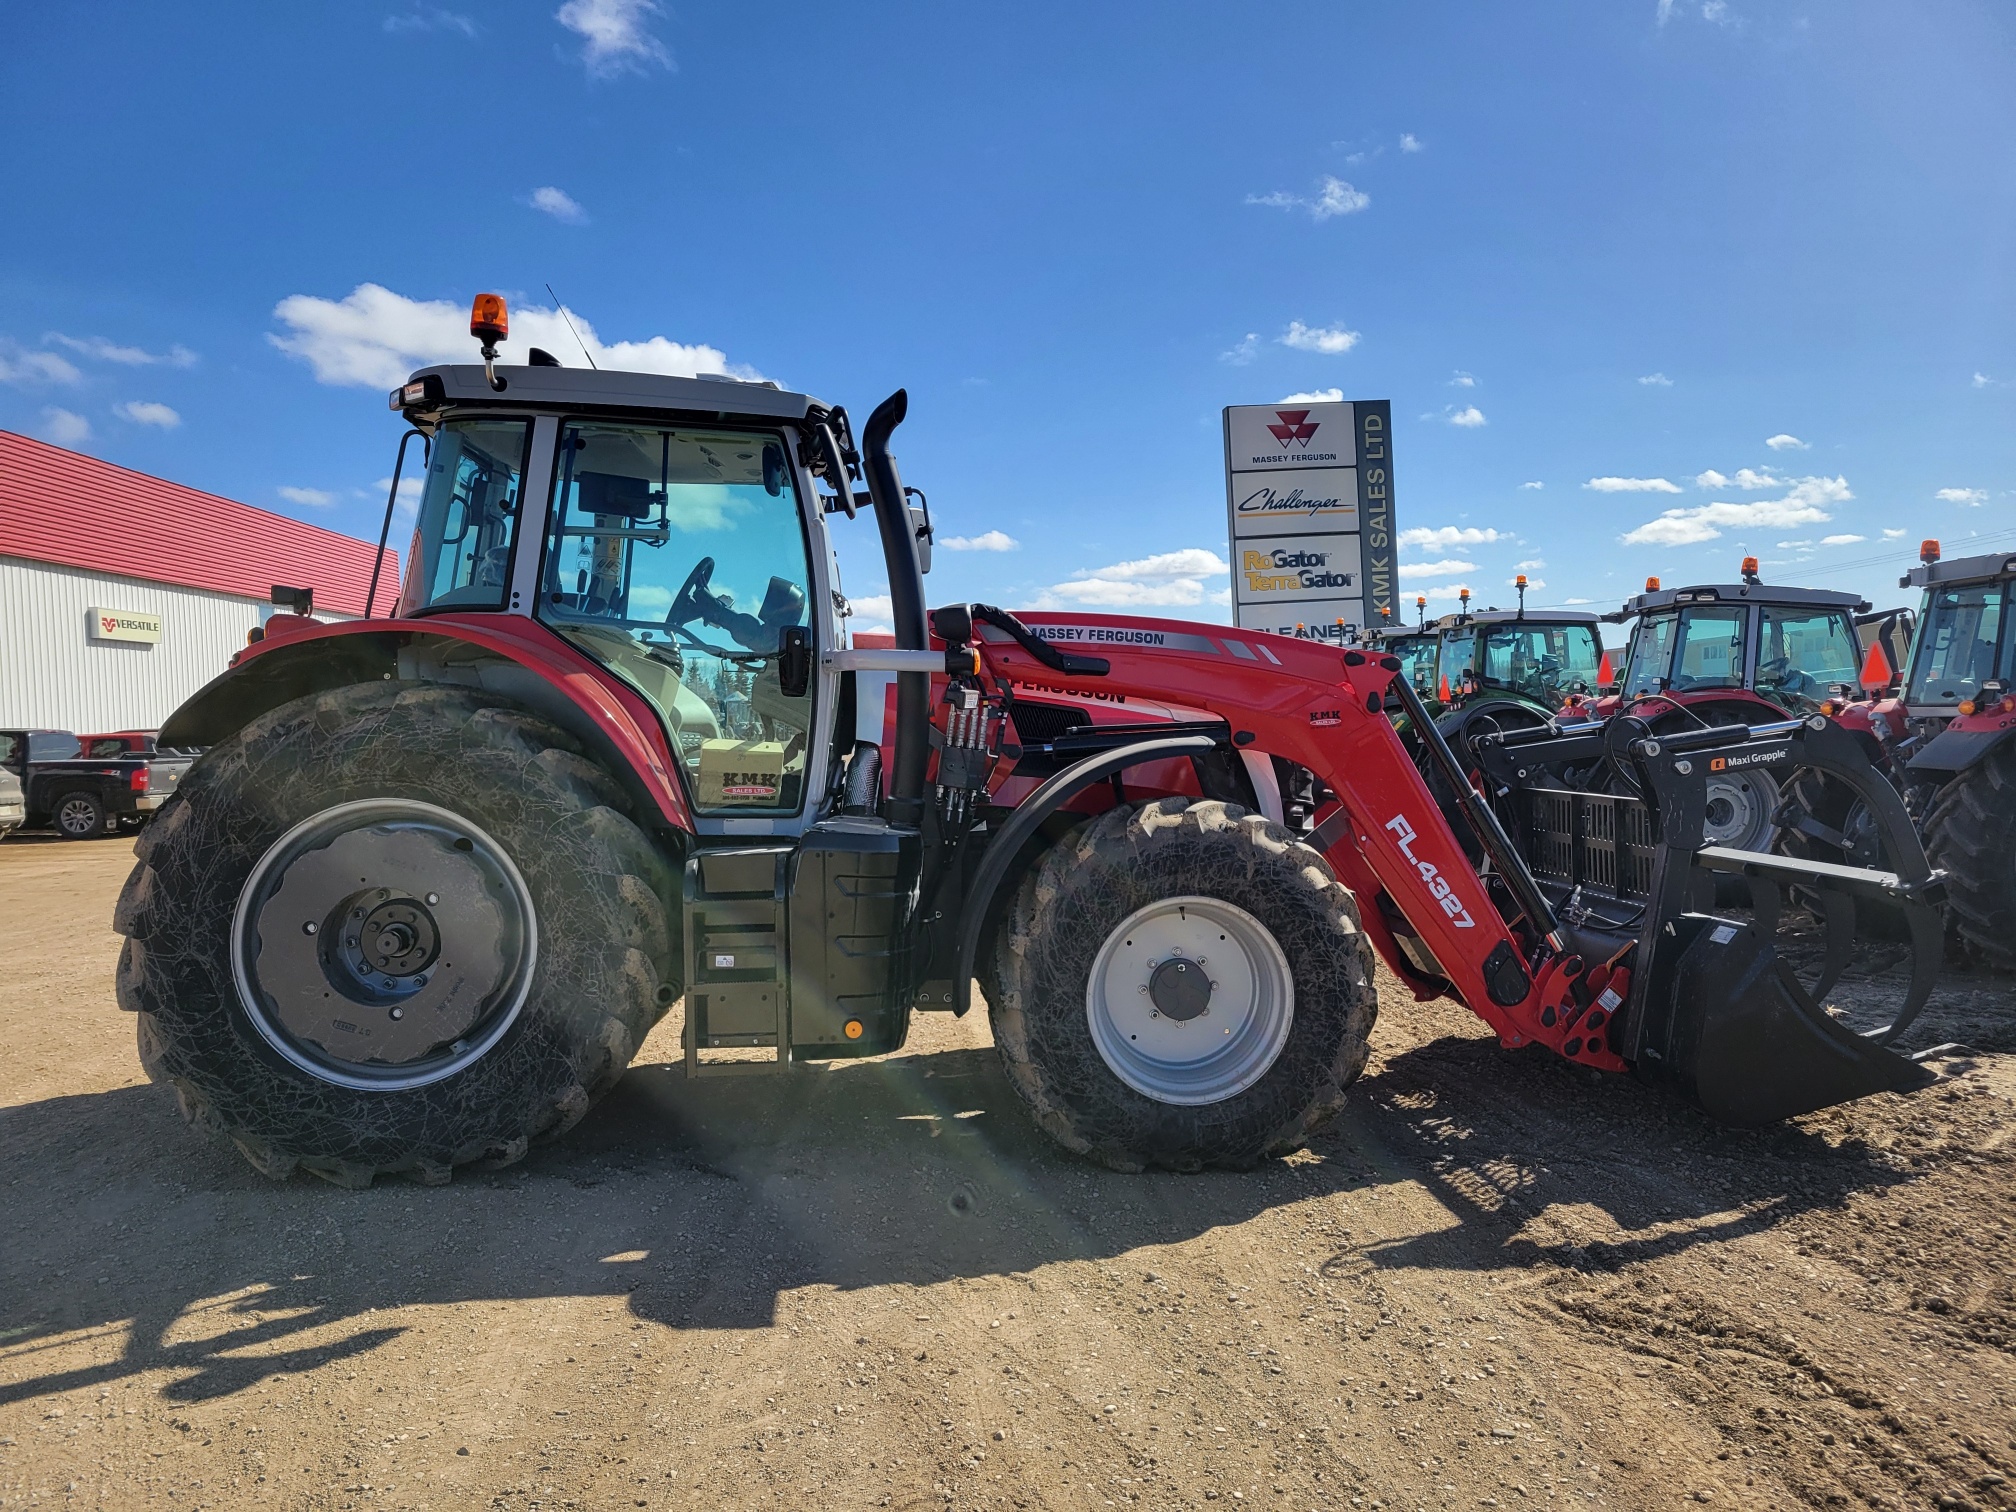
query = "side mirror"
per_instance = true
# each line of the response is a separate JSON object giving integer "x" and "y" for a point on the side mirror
{"x": 794, "y": 662}
{"x": 773, "y": 470}
{"x": 300, "y": 600}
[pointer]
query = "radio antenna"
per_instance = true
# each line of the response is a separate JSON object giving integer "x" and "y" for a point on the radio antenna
{"x": 570, "y": 327}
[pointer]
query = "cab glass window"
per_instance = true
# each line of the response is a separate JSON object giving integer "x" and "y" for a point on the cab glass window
{"x": 678, "y": 559}
{"x": 1543, "y": 662}
{"x": 1455, "y": 662}
{"x": 1803, "y": 652}
{"x": 1416, "y": 654}
{"x": 468, "y": 516}
{"x": 1959, "y": 632}
{"x": 1708, "y": 652}
{"x": 1651, "y": 655}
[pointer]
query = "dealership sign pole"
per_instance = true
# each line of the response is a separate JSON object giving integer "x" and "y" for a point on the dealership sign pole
{"x": 1309, "y": 498}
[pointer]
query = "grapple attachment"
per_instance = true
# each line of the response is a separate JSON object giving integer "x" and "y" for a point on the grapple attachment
{"x": 1727, "y": 1012}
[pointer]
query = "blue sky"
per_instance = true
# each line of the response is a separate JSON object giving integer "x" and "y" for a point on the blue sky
{"x": 1748, "y": 268}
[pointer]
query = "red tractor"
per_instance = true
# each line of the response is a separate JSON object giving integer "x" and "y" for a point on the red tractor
{"x": 1951, "y": 739}
{"x": 438, "y": 874}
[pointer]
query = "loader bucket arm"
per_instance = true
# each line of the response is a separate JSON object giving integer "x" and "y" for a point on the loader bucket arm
{"x": 1384, "y": 835}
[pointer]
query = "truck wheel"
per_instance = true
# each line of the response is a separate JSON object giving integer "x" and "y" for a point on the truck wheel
{"x": 1971, "y": 833}
{"x": 1183, "y": 985}
{"x": 79, "y": 816}
{"x": 395, "y": 927}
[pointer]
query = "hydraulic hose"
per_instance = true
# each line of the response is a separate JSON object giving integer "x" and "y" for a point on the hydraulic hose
{"x": 906, "y": 600}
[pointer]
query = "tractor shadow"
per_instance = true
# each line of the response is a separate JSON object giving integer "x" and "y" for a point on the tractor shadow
{"x": 135, "y": 1247}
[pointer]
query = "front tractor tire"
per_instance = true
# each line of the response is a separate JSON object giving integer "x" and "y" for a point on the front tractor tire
{"x": 393, "y": 928}
{"x": 1182, "y": 985}
{"x": 1971, "y": 834}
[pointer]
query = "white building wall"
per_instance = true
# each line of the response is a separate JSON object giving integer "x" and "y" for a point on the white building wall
{"x": 54, "y": 675}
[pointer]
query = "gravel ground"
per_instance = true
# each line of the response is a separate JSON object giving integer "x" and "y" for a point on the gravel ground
{"x": 1493, "y": 1283}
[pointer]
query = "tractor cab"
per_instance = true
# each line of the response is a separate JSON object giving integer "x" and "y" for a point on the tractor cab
{"x": 1533, "y": 658}
{"x": 1966, "y": 635}
{"x": 1789, "y": 647}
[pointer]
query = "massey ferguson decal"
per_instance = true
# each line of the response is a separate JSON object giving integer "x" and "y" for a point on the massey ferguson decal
{"x": 1430, "y": 874}
{"x": 1295, "y": 429}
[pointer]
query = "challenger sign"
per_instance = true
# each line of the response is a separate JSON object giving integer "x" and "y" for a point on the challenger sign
{"x": 1309, "y": 499}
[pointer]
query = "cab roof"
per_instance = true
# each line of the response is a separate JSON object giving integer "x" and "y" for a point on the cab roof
{"x": 1513, "y": 616}
{"x": 455, "y": 385}
{"x": 1740, "y": 593}
{"x": 1972, "y": 569}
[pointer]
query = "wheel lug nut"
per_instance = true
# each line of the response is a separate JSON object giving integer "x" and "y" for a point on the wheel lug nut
{"x": 310, "y": 927}
{"x": 432, "y": 899}
{"x": 398, "y": 1013}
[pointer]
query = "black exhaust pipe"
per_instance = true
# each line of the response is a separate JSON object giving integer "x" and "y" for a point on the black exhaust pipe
{"x": 906, "y": 600}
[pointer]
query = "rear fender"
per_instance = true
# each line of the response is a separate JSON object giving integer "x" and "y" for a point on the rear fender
{"x": 1965, "y": 743}
{"x": 513, "y": 658}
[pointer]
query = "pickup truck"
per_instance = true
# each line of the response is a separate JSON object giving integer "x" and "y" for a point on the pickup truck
{"x": 83, "y": 796}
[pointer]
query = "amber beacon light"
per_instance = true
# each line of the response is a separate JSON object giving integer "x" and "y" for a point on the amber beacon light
{"x": 490, "y": 323}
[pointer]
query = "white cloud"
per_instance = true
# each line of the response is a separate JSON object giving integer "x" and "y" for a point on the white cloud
{"x": 318, "y": 497}
{"x": 1783, "y": 442}
{"x": 1435, "y": 569}
{"x": 126, "y": 356}
{"x": 1469, "y": 418}
{"x": 1333, "y": 197}
{"x": 1751, "y": 480}
{"x": 559, "y": 204}
{"x": 1410, "y": 142}
{"x": 1632, "y": 485}
{"x": 1315, "y": 396}
{"x": 1463, "y": 380}
{"x": 1242, "y": 351}
{"x": 1804, "y": 504}
{"x": 614, "y": 32}
{"x": 1841, "y": 540}
{"x": 992, "y": 540}
{"x": 20, "y": 365}
{"x": 1529, "y": 563}
{"x": 146, "y": 412}
{"x": 1794, "y": 545}
{"x": 427, "y": 18}
{"x": 65, "y": 427}
{"x": 1893, "y": 535}
{"x": 1443, "y": 537}
{"x": 1536, "y": 483}
{"x": 1442, "y": 591}
{"x": 1656, "y": 380}
{"x": 1982, "y": 380}
{"x": 1710, "y": 479}
{"x": 872, "y": 606}
{"x": 374, "y": 337}
{"x": 1169, "y": 579}
{"x": 1330, "y": 340}
{"x": 1968, "y": 496}
{"x": 1571, "y": 602}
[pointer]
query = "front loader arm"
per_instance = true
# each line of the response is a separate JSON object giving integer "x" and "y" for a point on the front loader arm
{"x": 1325, "y": 710}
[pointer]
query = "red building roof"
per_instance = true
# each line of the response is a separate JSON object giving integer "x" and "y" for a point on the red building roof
{"x": 57, "y": 506}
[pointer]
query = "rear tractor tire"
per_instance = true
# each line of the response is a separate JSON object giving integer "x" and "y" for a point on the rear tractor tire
{"x": 1182, "y": 985}
{"x": 393, "y": 928}
{"x": 1971, "y": 834}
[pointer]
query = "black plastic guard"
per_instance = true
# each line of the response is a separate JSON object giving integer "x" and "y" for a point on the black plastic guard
{"x": 1730, "y": 1030}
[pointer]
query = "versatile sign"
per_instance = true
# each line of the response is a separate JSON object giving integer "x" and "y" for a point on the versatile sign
{"x": 1309, "y": 504}
{"x": 124, "y": 625}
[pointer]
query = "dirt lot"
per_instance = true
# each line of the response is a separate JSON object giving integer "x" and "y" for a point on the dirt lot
{"x": 1492, "y": 1284}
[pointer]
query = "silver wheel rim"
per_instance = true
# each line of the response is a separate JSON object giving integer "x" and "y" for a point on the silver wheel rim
{"x": 1143, "y": 1003}
{"x": 77, "y": 817}
{"x": 1739, "y": 810}
{"x": 384, "y": 945}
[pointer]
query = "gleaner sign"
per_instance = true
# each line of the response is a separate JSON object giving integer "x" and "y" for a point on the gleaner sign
{"x": 1309, "y": 496}
{"x": 124, "y": 625}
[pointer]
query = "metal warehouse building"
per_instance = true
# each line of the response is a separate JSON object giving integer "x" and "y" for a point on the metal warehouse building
{"x": 122, "y": 594}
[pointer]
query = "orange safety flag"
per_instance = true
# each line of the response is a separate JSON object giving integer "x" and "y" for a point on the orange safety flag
{"x": 1876, "y": 671}
{"x": 1605, "y": 673}
{"x": 1444, "y": 693}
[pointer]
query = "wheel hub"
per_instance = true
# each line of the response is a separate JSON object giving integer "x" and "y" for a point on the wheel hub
{"x": 1190, "y": 1000}
{"x": 1179, "y": 989}
{"x": 384, "y": 944}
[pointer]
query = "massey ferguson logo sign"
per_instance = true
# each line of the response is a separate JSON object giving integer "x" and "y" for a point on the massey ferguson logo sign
{"x": 1295, "y": 429}
{"x": 124, "y": 625}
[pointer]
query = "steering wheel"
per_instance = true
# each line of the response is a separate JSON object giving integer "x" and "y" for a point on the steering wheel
{"x": 687, "y": 603}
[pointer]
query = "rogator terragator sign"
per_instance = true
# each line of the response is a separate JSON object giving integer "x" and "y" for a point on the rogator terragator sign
{"x": 1309, "y": 495}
